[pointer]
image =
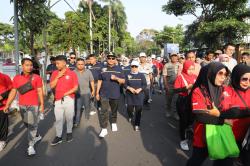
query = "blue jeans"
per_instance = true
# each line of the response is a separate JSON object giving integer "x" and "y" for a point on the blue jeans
{"x": 81, "y": 100}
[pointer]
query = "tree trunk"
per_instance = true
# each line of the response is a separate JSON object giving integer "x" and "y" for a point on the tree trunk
{"x": 32, "y": 51}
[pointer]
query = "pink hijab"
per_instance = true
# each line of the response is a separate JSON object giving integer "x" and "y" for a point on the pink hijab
{"x": 189, "y": 78}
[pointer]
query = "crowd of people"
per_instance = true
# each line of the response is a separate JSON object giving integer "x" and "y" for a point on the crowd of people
{"x": 199, "y": 91}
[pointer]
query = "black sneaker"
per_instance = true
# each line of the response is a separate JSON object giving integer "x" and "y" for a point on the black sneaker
{"x": 69, "y": 137}
{"x": 56, "y": 141}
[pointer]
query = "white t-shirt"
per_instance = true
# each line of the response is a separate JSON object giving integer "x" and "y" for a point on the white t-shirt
{"x": 146, "y": 69}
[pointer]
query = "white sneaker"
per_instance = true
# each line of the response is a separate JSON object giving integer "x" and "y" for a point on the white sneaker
{"x": 150, "y": 101}
{"x": 176, "y": 116}
{"x": 137, "y": 128}
{"x": 2, "y": 145}
{"x": 31, "y": 151}
{"x": 114, "y": 127}
{"x": 37, "y": 138}
{"x": 103, "y": 133}
{"x": 168, "y": 114}
{"x": 92, "y": 113}
{"x": 184, "y": 145}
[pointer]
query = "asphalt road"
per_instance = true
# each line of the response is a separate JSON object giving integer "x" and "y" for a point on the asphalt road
{"x": 157, "y": 144}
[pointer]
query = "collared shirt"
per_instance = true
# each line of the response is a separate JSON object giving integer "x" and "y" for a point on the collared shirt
{"x": 146, "y": 69}
{"x": 84, "y": 79}
{"x": 170, "y": 70}
{"x": 198, "y": 103}
{"x": 31, "y": 97}
{"x": 110, "y": 89}
{"x": 96, "y": 70}
{"x": 71, "y": 66}
{"x": 5, "y": 85}
{"x": 51, "y": 68}
{"x": 126, "y": 69}
{"x": 135, "y": 81}
{"x": 240, "y": 126}
{"x": 65, "y": 83}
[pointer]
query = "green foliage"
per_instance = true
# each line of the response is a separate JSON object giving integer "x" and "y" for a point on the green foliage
{"x": 32, "y": 17}
{"x": 217, "y": 22}
{"x": 170, "y": 35}
{"x": 6, "y": 38}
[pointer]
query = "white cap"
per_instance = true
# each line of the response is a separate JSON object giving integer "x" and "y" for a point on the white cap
{"x": 27, "y": 56}
{"x": 142, "y": 54}
{"x": 153, "y": 56}
{"x": 134, "y": 63}
{"x": 158, "y": 58}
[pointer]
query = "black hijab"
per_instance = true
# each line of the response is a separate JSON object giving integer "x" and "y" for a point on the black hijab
{"x": 206, "y": 80}
{"x": 238, "y": 71}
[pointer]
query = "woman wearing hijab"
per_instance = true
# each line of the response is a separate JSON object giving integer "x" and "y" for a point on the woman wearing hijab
{"x": 183, "y": 84}
{"x": 237, "y": 106}
{"x": 207, "y": 94}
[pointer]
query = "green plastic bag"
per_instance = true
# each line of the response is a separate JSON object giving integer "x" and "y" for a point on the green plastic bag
{"x": 221, "y": 142}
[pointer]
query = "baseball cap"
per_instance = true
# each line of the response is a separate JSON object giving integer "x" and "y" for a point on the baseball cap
{"x": 218, "y": 52}
{"x": 134, "y": 63}
{"x": 153, "y": 56}
{"x": 142, "y": 54}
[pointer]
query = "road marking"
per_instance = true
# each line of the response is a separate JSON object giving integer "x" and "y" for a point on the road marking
{"x": 171, "y": 125}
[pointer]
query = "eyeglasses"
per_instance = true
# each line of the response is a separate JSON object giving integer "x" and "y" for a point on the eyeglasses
{"x": 134, "y": 66}
{"x": 245, "y": 79}
{"x": 72, "y": 57}
{"x": 111, "y": 58}
{"x": 221, "y": 73}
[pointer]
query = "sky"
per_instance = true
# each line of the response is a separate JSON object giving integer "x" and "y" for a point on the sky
{"x": 141, "y": 14}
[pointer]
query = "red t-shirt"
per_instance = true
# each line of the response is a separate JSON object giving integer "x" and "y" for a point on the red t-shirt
{"x": 31, "y": 97}
{"x": 156, "y": 64}
{"x": 199, "y": 102}
{"x": 161, "y": 66}
{"x": 5, "y": 85}
{"x": 240, "y": 126}
{"x": 65, "y": 83}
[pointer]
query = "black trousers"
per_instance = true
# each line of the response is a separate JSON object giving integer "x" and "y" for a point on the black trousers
{"x": 199, "y": 155}
{"x": 104, "y": 114}
{"x": 183, "y": 113}
{"x": 138, "y": 111}
{"x": 244, "y": 155}
{"x": 4, "y": 123}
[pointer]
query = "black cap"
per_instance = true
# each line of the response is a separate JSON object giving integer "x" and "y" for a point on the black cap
{"x": 111, "y": 54}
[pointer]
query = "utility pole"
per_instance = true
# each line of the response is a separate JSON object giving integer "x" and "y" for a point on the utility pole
{"x": 90, "y": 26}
{"x": 16, "y": 35}
{"x": 109, "y": 25}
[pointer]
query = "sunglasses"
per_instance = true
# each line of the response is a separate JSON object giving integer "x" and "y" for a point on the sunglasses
{"x": 245, "y": 79}
{"x": 111, "y": 58}
{"x": 221, "y": 73}
{"x": 134, "y": 66}
{"x": 72, "y": 57}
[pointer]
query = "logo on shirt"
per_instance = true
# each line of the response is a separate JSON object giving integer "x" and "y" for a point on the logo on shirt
{"x": 67, "y": 77}
{"x": 195, "y": 103}
{"x": 104, "y": 69}
{"x": 225, "y": 93}
{"x": 129, "y": 76}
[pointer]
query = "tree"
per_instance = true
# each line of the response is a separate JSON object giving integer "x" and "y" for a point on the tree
{"x": 100, "y": 24}
{"x": 68, "y": 33}
{"x": 170, "y": 35}
{"x": 6, "y": 37}
{"x": 217, "y": 22}
{"x": 32, "y": 17}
